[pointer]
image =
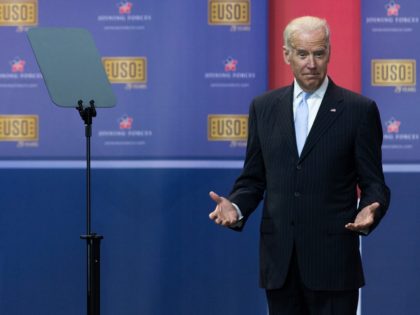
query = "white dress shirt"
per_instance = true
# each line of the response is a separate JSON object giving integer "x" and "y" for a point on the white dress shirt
{"x": 314, "y": 101}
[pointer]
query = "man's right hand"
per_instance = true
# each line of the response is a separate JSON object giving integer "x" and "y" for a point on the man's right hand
{"x": 225, "y": 213}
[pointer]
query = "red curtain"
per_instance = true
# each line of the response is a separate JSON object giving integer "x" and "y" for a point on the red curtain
{"x": 345, "y": 24}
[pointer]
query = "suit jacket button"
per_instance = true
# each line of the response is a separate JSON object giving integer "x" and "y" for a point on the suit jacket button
{"x": 298, "y": 167}
{"x": 297, "y": 194}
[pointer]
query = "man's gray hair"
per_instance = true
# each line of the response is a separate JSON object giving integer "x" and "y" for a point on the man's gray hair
{"x": 305, "y": 24}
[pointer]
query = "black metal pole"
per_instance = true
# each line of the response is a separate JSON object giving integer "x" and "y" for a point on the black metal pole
{"x": 92, "y": 239}
{"x": 88, "y": 134}
{"x": 93, "y": 273}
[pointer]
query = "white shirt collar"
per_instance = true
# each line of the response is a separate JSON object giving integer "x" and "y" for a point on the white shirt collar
{"x": 319, "y": 93}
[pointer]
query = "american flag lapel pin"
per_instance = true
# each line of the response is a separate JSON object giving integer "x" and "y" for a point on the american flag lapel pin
{"x": 333, "y": 110}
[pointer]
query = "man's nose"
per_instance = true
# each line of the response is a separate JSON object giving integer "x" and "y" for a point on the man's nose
{"x": 311, "y": 62}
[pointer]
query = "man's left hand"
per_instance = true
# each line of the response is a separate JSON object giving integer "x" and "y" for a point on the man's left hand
{"x": 364, "y": 218}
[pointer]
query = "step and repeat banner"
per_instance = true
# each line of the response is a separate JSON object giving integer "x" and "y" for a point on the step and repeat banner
{"x": 390, "y": 49}
{"x": 184, "y": 74}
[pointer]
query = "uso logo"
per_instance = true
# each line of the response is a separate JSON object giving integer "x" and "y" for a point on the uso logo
{"x": 229, "y": 12}
{"x": 18, "y": 13}
{"x": 393, "y": 72}
{"x": 18, "y": 128}
{"x": 126, "y": 69}
{"x": 227, "y": 127}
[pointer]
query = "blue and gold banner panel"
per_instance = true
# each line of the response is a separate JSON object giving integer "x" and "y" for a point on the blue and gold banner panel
{"x": 390, "y": 50}
{"x": 184, "y": 74}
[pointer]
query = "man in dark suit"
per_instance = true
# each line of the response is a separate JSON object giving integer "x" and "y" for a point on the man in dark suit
{"x": 310, "y": 145}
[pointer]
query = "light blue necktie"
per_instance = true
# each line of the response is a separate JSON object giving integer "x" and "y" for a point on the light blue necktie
{"x": 301, "y": 121}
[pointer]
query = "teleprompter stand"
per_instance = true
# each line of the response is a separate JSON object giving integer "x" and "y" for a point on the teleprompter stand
{"x": 73, "y": 72}
{"x": 93, "y": 240}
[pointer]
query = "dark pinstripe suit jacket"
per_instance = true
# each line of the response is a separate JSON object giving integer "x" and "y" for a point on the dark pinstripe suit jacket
{"x": 309, "y": 199}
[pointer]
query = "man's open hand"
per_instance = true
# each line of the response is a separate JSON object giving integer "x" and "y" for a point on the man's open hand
{"x": 364, "y": 218}
{"x": 225, "y": 213}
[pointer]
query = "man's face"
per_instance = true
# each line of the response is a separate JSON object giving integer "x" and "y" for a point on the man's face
{"x": 308, "y": 58}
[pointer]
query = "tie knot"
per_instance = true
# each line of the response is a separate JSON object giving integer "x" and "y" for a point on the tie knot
{"x": 306, "y": 95}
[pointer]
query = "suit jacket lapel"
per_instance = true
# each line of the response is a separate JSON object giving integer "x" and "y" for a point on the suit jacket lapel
{"x": 330, "y": 109}
{"x": 284, "y": 123}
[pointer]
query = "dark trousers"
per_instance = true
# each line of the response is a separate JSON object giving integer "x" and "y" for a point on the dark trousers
{"x": 295, "y": 299}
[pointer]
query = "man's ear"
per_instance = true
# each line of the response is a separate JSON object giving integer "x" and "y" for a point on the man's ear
{"x": 329, "y": 53}
{"x": 286, "y": 55}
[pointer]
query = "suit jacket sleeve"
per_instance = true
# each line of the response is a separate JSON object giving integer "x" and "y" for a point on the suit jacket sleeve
{"x": 369, "y": 164}
{"x": 249, "y": 188}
